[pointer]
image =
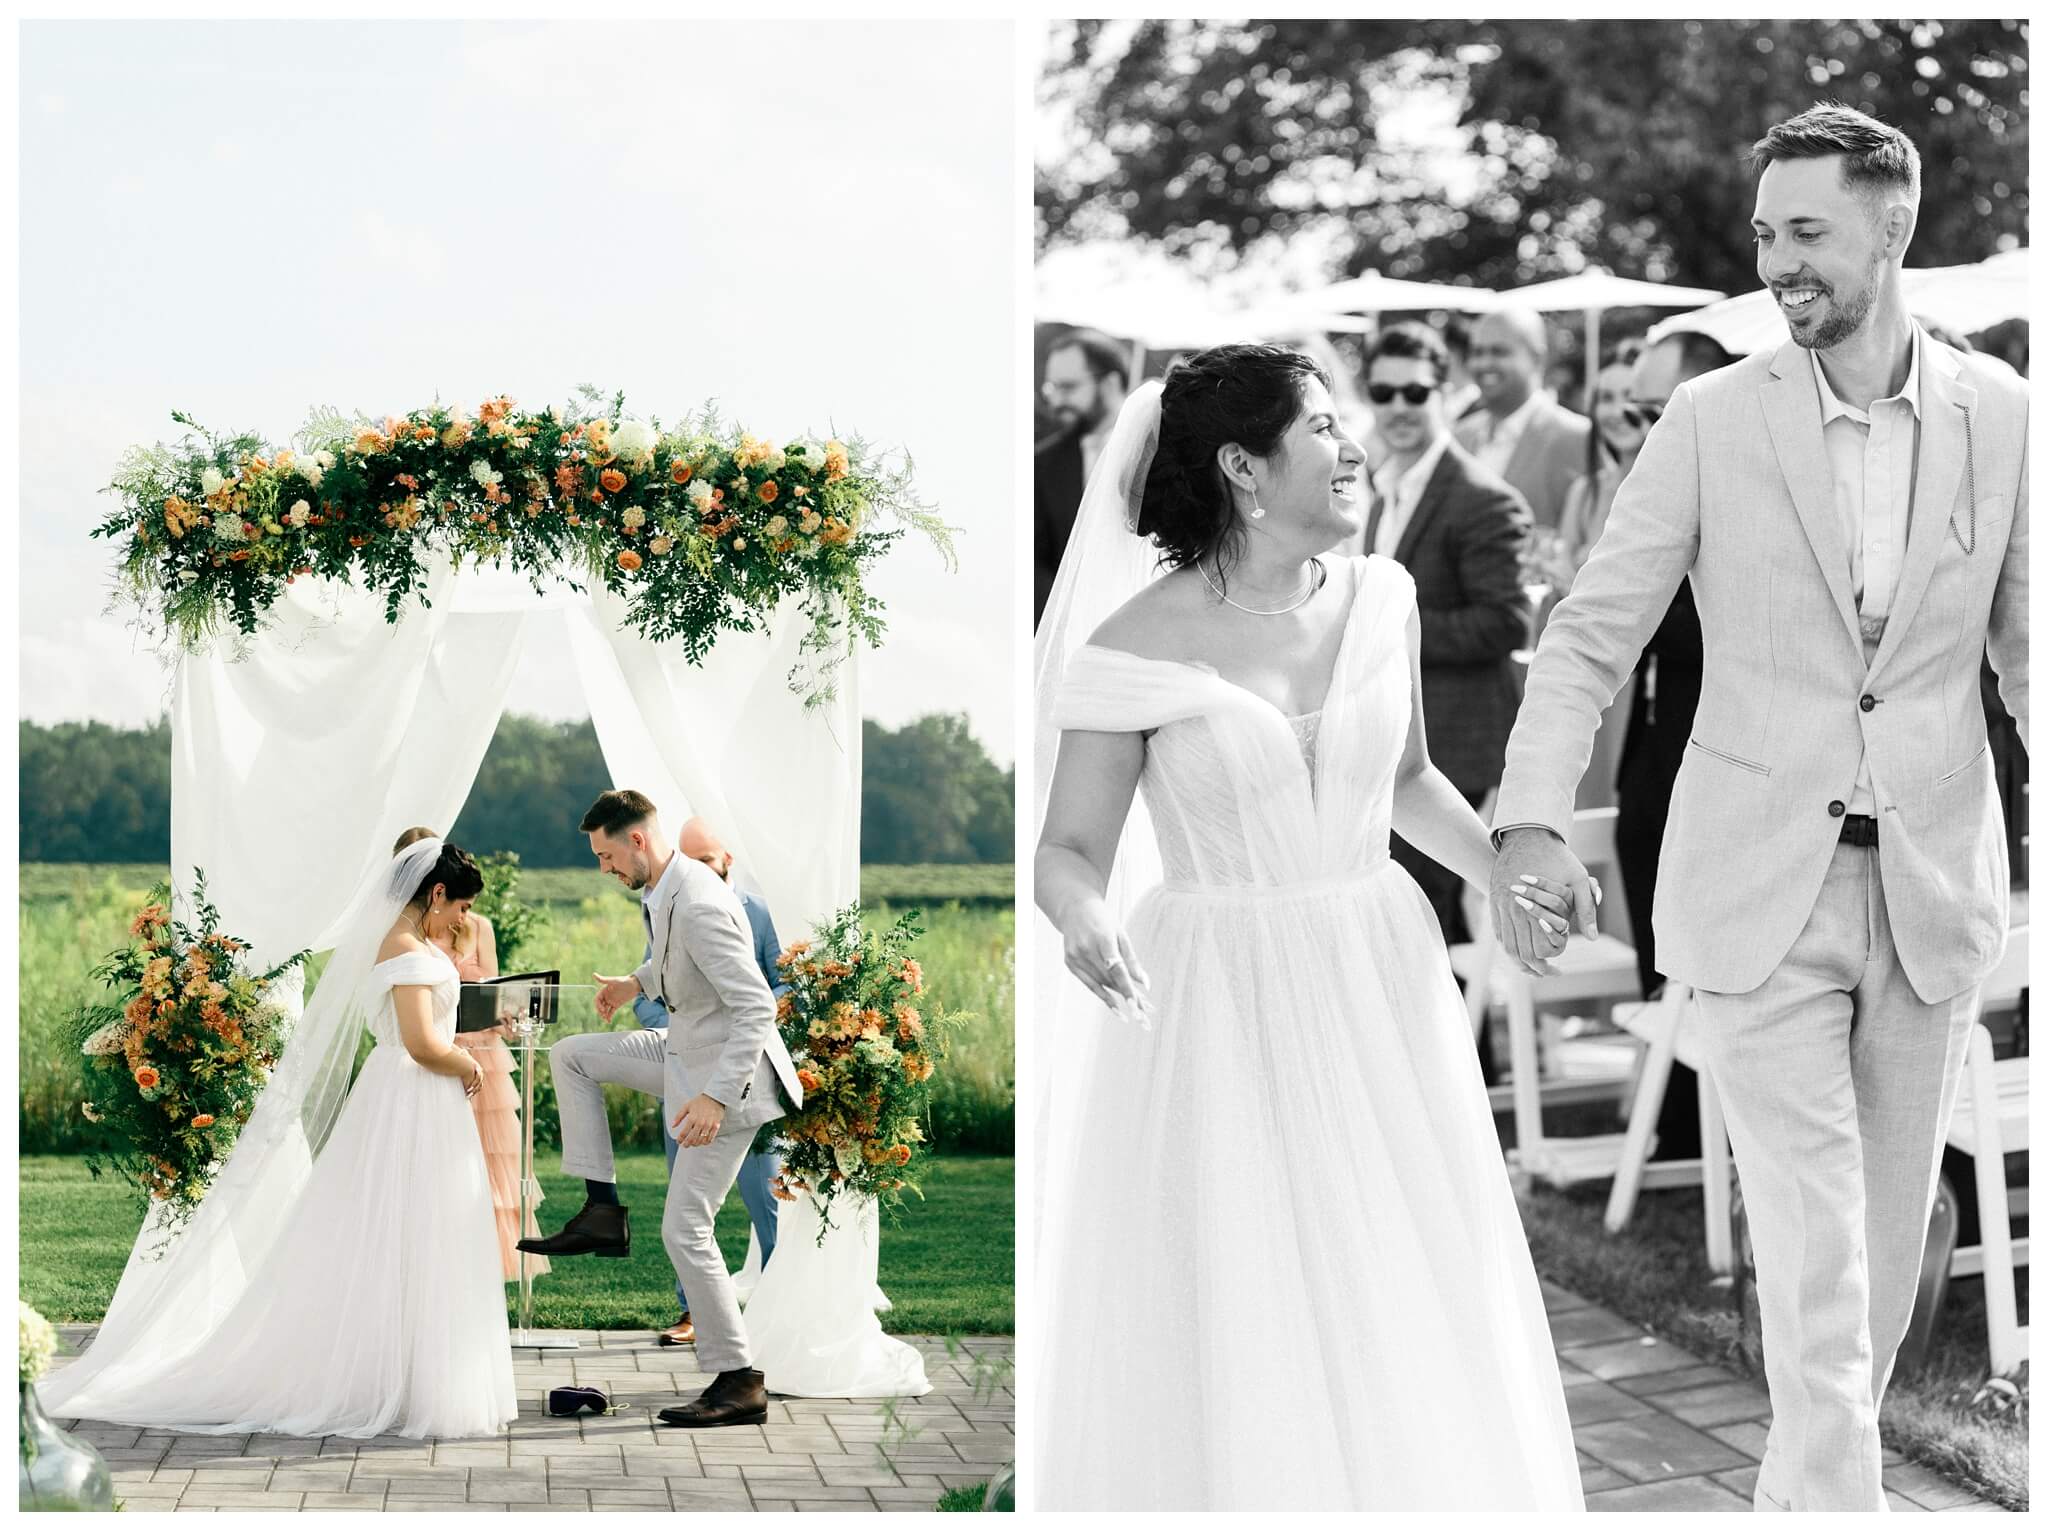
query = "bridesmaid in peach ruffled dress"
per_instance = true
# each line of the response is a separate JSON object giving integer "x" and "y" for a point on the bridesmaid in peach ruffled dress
{"x": 473, "y": 948}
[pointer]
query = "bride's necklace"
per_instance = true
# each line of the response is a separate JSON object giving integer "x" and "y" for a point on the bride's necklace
{"x": 1317, "y": 574}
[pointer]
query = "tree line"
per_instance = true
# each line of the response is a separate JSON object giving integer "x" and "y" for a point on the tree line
{"x": 929, "y": 793}
{"x": 1616, "y": 142}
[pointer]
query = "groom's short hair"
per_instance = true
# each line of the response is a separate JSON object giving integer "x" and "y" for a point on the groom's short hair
{"x": 617, "y": 811}
{"x": 1875, "y": 155}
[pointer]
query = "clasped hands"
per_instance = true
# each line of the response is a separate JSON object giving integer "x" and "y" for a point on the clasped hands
{"x": 1539, "y": 892}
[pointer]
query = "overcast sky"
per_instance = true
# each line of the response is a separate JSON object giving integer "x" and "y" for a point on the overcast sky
{"x": 811, "y": 223}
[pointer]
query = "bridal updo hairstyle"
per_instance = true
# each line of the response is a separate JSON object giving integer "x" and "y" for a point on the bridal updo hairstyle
{"x": 454, "y": 870}
{"x": 1248, "y": 394}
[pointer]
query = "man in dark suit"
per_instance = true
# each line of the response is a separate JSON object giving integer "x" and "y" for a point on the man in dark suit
{"x": 1460, "y": 531}
{"x": 1086, "y": 377}
{"x": 1665, "y": 696}
{"x": 1519, "y": 430}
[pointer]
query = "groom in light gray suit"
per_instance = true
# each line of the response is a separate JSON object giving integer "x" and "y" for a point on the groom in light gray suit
{"x": 719, "y": 1067}
{"x": 1852, "y": 512}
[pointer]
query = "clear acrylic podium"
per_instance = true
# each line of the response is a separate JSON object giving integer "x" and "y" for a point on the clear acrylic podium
{"x": 527, "y": 1009}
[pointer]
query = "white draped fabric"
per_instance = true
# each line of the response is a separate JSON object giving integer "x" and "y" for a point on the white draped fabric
{"x": 341, "y": 725}
{"x": 729, "y": 738}
{"x": 811, "y": 1311}
{"x": 350, "y": 728}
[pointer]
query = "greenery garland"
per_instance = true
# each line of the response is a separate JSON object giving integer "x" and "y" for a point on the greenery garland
{"x": 702, "y": 529}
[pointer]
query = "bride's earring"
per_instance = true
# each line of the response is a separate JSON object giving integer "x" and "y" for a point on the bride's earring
{"x": 1258, "y": 510}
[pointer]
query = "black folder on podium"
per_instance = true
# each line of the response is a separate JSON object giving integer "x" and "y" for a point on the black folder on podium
{"x": 491, "y": 1002}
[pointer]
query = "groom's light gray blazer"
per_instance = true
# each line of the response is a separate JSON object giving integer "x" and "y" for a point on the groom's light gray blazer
{"x": 1733, "y": 488}
{"x": 722, "y": 1039}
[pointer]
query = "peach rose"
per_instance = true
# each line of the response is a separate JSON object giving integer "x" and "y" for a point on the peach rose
{"x": 202, "y": 1121}
{"x": 768, "y": 491}
{"x": 629, "y": 560}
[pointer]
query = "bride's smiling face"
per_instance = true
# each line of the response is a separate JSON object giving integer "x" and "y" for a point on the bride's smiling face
{"x": 1311, "y": 485}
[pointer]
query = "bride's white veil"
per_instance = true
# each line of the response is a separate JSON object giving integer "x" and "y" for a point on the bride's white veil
{"x": 181, "y": 1283}
{"x": 1106, "y": 563}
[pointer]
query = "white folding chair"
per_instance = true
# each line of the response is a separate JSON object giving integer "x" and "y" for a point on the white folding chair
{"x": 1990, "y": 1121}
{"x": 1599, "y": 973}
{"x": 1669, "y": 1027}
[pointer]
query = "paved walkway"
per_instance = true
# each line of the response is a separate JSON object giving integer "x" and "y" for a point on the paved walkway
{"x": 1658, "y": 1429}
{"x": 813, "y": 1454}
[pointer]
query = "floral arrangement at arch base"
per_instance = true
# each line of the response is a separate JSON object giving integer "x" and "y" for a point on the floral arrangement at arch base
{"x": 177, "y": 1055}
{"x": 702, "y": 529}
{"x": 866, "y": 1040}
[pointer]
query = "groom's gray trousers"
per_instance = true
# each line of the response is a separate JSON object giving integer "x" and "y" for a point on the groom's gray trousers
{"x": 1837, "y": 1080}
{"x": 697, "y": 1186}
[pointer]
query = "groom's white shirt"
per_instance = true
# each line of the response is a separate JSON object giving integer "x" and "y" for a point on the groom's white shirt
{"x": 1735, "y": 489}
{"x": 1870, "y": 453}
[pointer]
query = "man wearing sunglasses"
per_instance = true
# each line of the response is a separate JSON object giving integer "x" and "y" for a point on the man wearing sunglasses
{"x": 1460, "y": 531}
{"x": 1851, "y": 510}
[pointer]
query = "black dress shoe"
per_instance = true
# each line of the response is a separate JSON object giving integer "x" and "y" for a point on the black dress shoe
{"x": 734, "y": 1398}
{"x": 599, "y": 1229}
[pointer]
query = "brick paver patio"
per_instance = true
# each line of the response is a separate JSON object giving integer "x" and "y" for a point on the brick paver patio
{"x": 813, "y": 1454}
{"x": 1657, "y": 1429}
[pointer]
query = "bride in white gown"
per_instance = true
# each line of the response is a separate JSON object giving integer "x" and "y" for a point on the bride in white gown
{"x": 342, "y": 1276}
{"x": 1280, "y": 1262}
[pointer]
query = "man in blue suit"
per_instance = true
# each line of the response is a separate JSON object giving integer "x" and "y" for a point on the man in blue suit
{"x": 758, "y": 1172}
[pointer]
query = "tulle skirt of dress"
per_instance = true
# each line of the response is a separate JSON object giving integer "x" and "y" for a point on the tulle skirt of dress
{"x": 378, "y": 1311}
{"x": 1285, "y": 1268}
{"x": 496, "y": 1107}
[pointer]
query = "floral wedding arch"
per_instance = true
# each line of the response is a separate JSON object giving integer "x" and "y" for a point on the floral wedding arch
{"x": 340, "y": 674}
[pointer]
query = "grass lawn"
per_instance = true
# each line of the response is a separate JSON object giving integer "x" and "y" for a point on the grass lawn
{"x": 947, "y": 1263}
{"x": 1656, "y": 1274}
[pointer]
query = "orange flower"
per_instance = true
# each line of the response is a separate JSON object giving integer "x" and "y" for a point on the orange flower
{"x": 147, "y": 1078}
{"x": 679, "y": 472}
{"x": 900, "y": 1154}
{"x": 202, "y": 1121}
{"x": 568, "y": 479}
{"x": 629, "y": 560}
{"x": 807, "y": 1079}
{"x": 767, "y": 492}
{"x": 613, "y": 480}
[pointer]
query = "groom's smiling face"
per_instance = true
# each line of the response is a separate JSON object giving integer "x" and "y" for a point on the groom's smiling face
{"x": 1821, "y": 247}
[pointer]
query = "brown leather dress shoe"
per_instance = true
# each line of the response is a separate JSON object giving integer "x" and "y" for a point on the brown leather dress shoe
{"x": 734, "y": 1398}
{"x": 684, "y": 1333}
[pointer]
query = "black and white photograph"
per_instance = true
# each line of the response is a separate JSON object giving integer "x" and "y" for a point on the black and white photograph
{"x": 1529, "y": 791}
{"x": 517, "y": 609}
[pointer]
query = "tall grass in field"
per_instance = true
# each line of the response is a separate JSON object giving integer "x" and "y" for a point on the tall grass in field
{"x": 71, "y": 917}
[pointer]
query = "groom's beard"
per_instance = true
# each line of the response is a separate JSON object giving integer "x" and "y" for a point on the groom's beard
{"x": 1849, "y": 311}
